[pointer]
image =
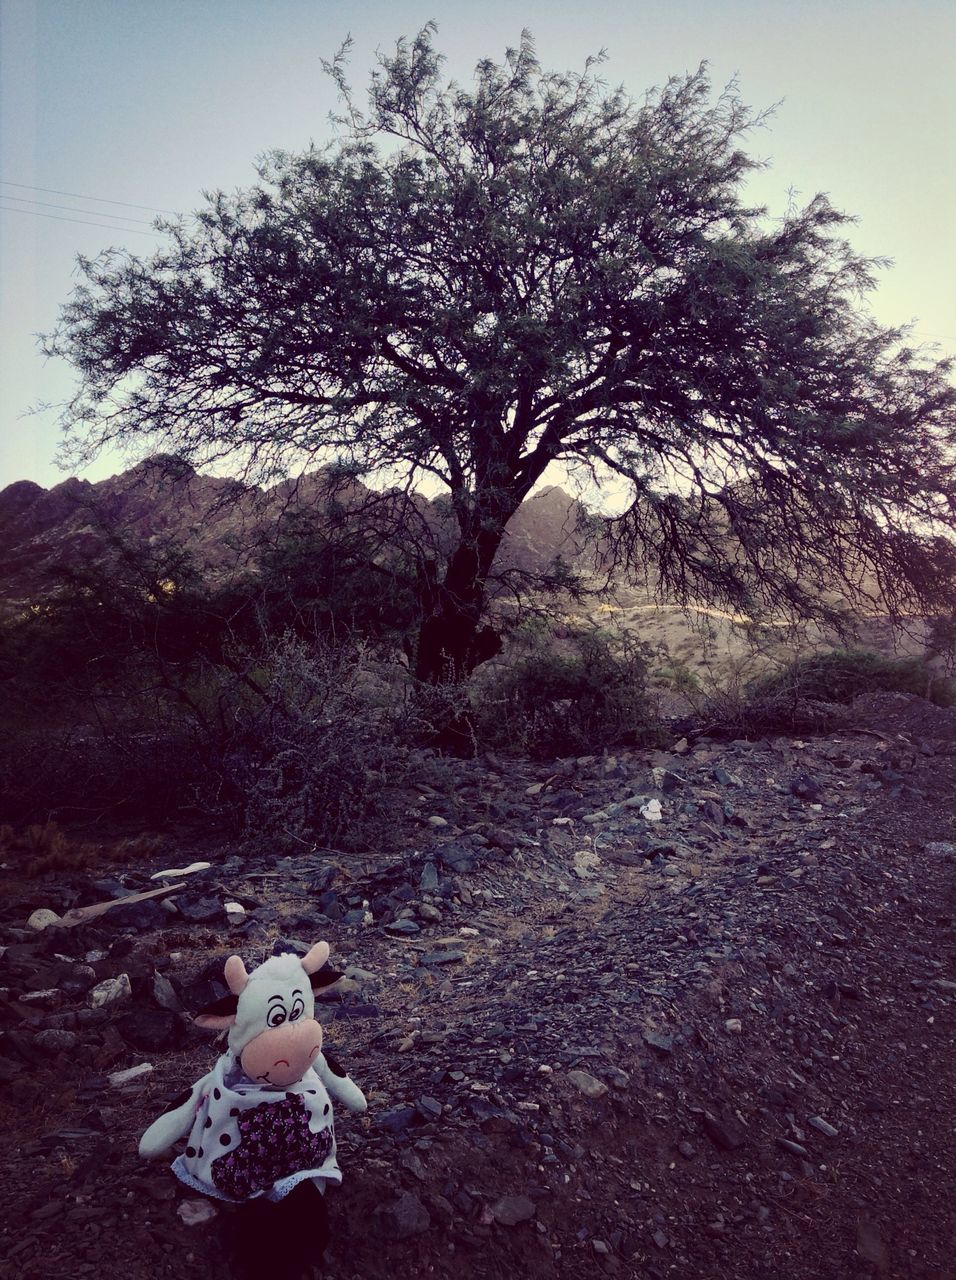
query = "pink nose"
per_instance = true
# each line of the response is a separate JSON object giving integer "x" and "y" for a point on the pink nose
{"x": 282, "y": 1055}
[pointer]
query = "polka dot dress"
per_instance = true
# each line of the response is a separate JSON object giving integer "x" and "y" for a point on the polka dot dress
{"x": 248, "y": 1140}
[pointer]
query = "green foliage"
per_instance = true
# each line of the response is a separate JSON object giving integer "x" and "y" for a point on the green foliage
{"x": 813, "y": 693}
{"x": 941, "y": 640}
{"x": 320, "y": 583}
{"x": 840, "y": 675}
{"x": 677, "y": 676}
{"x": 549, "y": 703}
{"x": 473, "y": 283}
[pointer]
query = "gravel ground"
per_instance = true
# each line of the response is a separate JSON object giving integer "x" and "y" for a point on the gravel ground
{"x": 715, "y": 1045}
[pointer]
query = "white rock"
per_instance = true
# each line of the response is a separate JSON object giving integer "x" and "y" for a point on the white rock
{"x": 118, "y": 1078}
{"x": 42, "y": 919}
{"x": 437, "y": 822}
{"x": 111, "y": 991}
{"x": 734, "y": 1026}
{"x": 172, "y": 872}
{"x": 585, "y": 863}
{"x": 235, "y": 912}
{"x": 195, "y": 1212}
{"x": 652, "y": 811}
{"x": 51, "y": 998}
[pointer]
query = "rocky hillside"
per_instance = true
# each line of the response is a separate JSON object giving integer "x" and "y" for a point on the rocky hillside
{"x": 221, "y": 522}
{"x": 670, "y": 1015}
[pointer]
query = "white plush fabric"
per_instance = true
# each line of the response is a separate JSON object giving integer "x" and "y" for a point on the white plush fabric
{"x": 283, "y": 974}
{"x": 249, "y": 1140}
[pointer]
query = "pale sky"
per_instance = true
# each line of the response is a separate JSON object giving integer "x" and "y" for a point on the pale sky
{"x": 150, "y": 102}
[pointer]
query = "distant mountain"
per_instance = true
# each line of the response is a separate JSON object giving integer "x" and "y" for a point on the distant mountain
{"x": 222, "y": 523}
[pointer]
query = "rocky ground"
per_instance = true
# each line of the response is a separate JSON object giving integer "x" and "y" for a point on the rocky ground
{"x": 718, "y": 1043}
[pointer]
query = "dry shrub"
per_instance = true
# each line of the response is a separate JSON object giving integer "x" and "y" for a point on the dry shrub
{"x": 812, "y": 693}
{"x": 840, "y": 675}
{"x": 287, "y": 740}
{"x": 316, "y": 762}
{"x": 548, "y": 703}
{"x": 87, "y": 774}
{"x": 44, "y": 847}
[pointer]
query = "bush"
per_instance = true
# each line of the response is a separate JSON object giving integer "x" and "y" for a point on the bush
{"x": 87, "y": 774}
{"x": 287, "y": 741}
{"x": 318, "y": 761}
{"x": 550, "y": 703}
{"x": 840, "y": 675}
{"x": 812, "y": 693}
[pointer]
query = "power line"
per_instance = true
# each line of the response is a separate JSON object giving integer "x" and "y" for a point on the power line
{"x": 70, "y": 208}
{"x": 103, "y": 226}
{"x": 75, "y": 195}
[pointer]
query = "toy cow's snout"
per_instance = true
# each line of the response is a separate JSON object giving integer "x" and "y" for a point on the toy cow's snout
{"x": 282, "y": 1054}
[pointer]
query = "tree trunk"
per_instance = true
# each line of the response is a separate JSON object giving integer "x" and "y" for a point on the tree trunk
{"x": 452, "y": 641}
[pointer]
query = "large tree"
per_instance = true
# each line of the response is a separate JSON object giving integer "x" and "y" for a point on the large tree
{"x": 471, "y": 284}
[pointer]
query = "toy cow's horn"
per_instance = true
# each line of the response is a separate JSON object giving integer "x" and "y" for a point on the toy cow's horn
{"x": 236, "y": 976}
{"x": 316, "y": 957}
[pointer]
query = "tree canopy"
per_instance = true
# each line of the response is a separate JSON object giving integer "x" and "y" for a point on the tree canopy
{"x": 470, "y": 284}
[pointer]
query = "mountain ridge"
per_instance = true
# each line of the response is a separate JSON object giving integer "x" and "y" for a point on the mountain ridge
{"x": 221, "y": 522}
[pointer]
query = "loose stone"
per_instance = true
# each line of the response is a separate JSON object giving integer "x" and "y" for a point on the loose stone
{"x": 56, "y": 1041}
{"x": 42, "y": 919}
{"x": 822, "y": 1126}
{"x": 111, "y": 991}
{"x": 510, "y": 1210}
{"x": 589, "y": 1085}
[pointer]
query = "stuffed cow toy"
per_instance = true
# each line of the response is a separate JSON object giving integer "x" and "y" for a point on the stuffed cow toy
{"x": 260, "y": 1125}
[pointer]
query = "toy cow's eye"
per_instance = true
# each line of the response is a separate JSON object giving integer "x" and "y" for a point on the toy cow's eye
{"x": 298, "y": 1008}
{"x": 276, "y": 1016}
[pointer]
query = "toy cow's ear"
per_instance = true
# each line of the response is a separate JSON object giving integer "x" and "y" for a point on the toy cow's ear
{"x": 316, "y": 957}
{"x": 325, "y": 977}
{"x": 219, "y": 1015}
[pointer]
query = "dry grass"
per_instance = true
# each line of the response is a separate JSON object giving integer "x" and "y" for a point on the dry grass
{"x": 45, "y": 847}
